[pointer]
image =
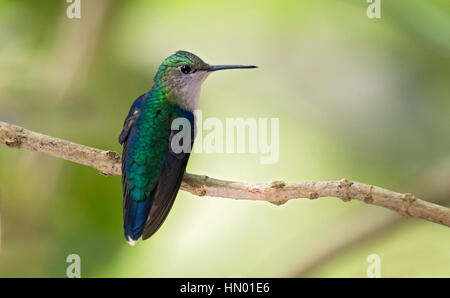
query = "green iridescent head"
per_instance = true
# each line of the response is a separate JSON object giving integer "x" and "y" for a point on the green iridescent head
{"x": 182, "y": 75}
{"x": 184, "y": 58}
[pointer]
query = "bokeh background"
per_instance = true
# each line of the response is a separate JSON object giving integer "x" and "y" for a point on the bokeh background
{"x": 366, "y": 99}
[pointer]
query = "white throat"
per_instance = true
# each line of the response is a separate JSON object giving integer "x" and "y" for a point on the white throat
{"x": 188, "y": 89}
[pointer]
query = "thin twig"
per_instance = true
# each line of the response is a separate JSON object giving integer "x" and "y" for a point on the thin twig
{"x": 431, "y": 181}
{"x": 277, "y": 192}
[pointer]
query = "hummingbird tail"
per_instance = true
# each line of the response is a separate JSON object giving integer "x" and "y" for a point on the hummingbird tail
{"x": 135, "y": 217}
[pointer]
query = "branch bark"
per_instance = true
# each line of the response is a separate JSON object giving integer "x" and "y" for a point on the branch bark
{"x": 277, "y": 192}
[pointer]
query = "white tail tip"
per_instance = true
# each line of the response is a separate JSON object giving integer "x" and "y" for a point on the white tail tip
{"x": 131, "y": 241}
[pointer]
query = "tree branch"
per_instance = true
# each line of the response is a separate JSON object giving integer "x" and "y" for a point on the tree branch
{"x": 277, "y": 192}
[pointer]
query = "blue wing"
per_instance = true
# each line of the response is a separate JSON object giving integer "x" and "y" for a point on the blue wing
{"x": 135, "y": 212}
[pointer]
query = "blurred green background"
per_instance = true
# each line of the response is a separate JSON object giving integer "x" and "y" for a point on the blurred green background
{"x": 366, "y": 99}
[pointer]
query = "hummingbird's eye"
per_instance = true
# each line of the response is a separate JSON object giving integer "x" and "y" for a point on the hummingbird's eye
{"x": 185, "y": 69}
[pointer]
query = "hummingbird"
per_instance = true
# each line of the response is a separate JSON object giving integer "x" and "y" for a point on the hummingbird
{"x": 151, "y": 170}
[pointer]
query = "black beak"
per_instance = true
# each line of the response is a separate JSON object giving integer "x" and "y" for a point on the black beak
{"x": 221, "y": 67}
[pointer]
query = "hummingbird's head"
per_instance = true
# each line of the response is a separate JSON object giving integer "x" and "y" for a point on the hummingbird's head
{"x": 183, "y": 74}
